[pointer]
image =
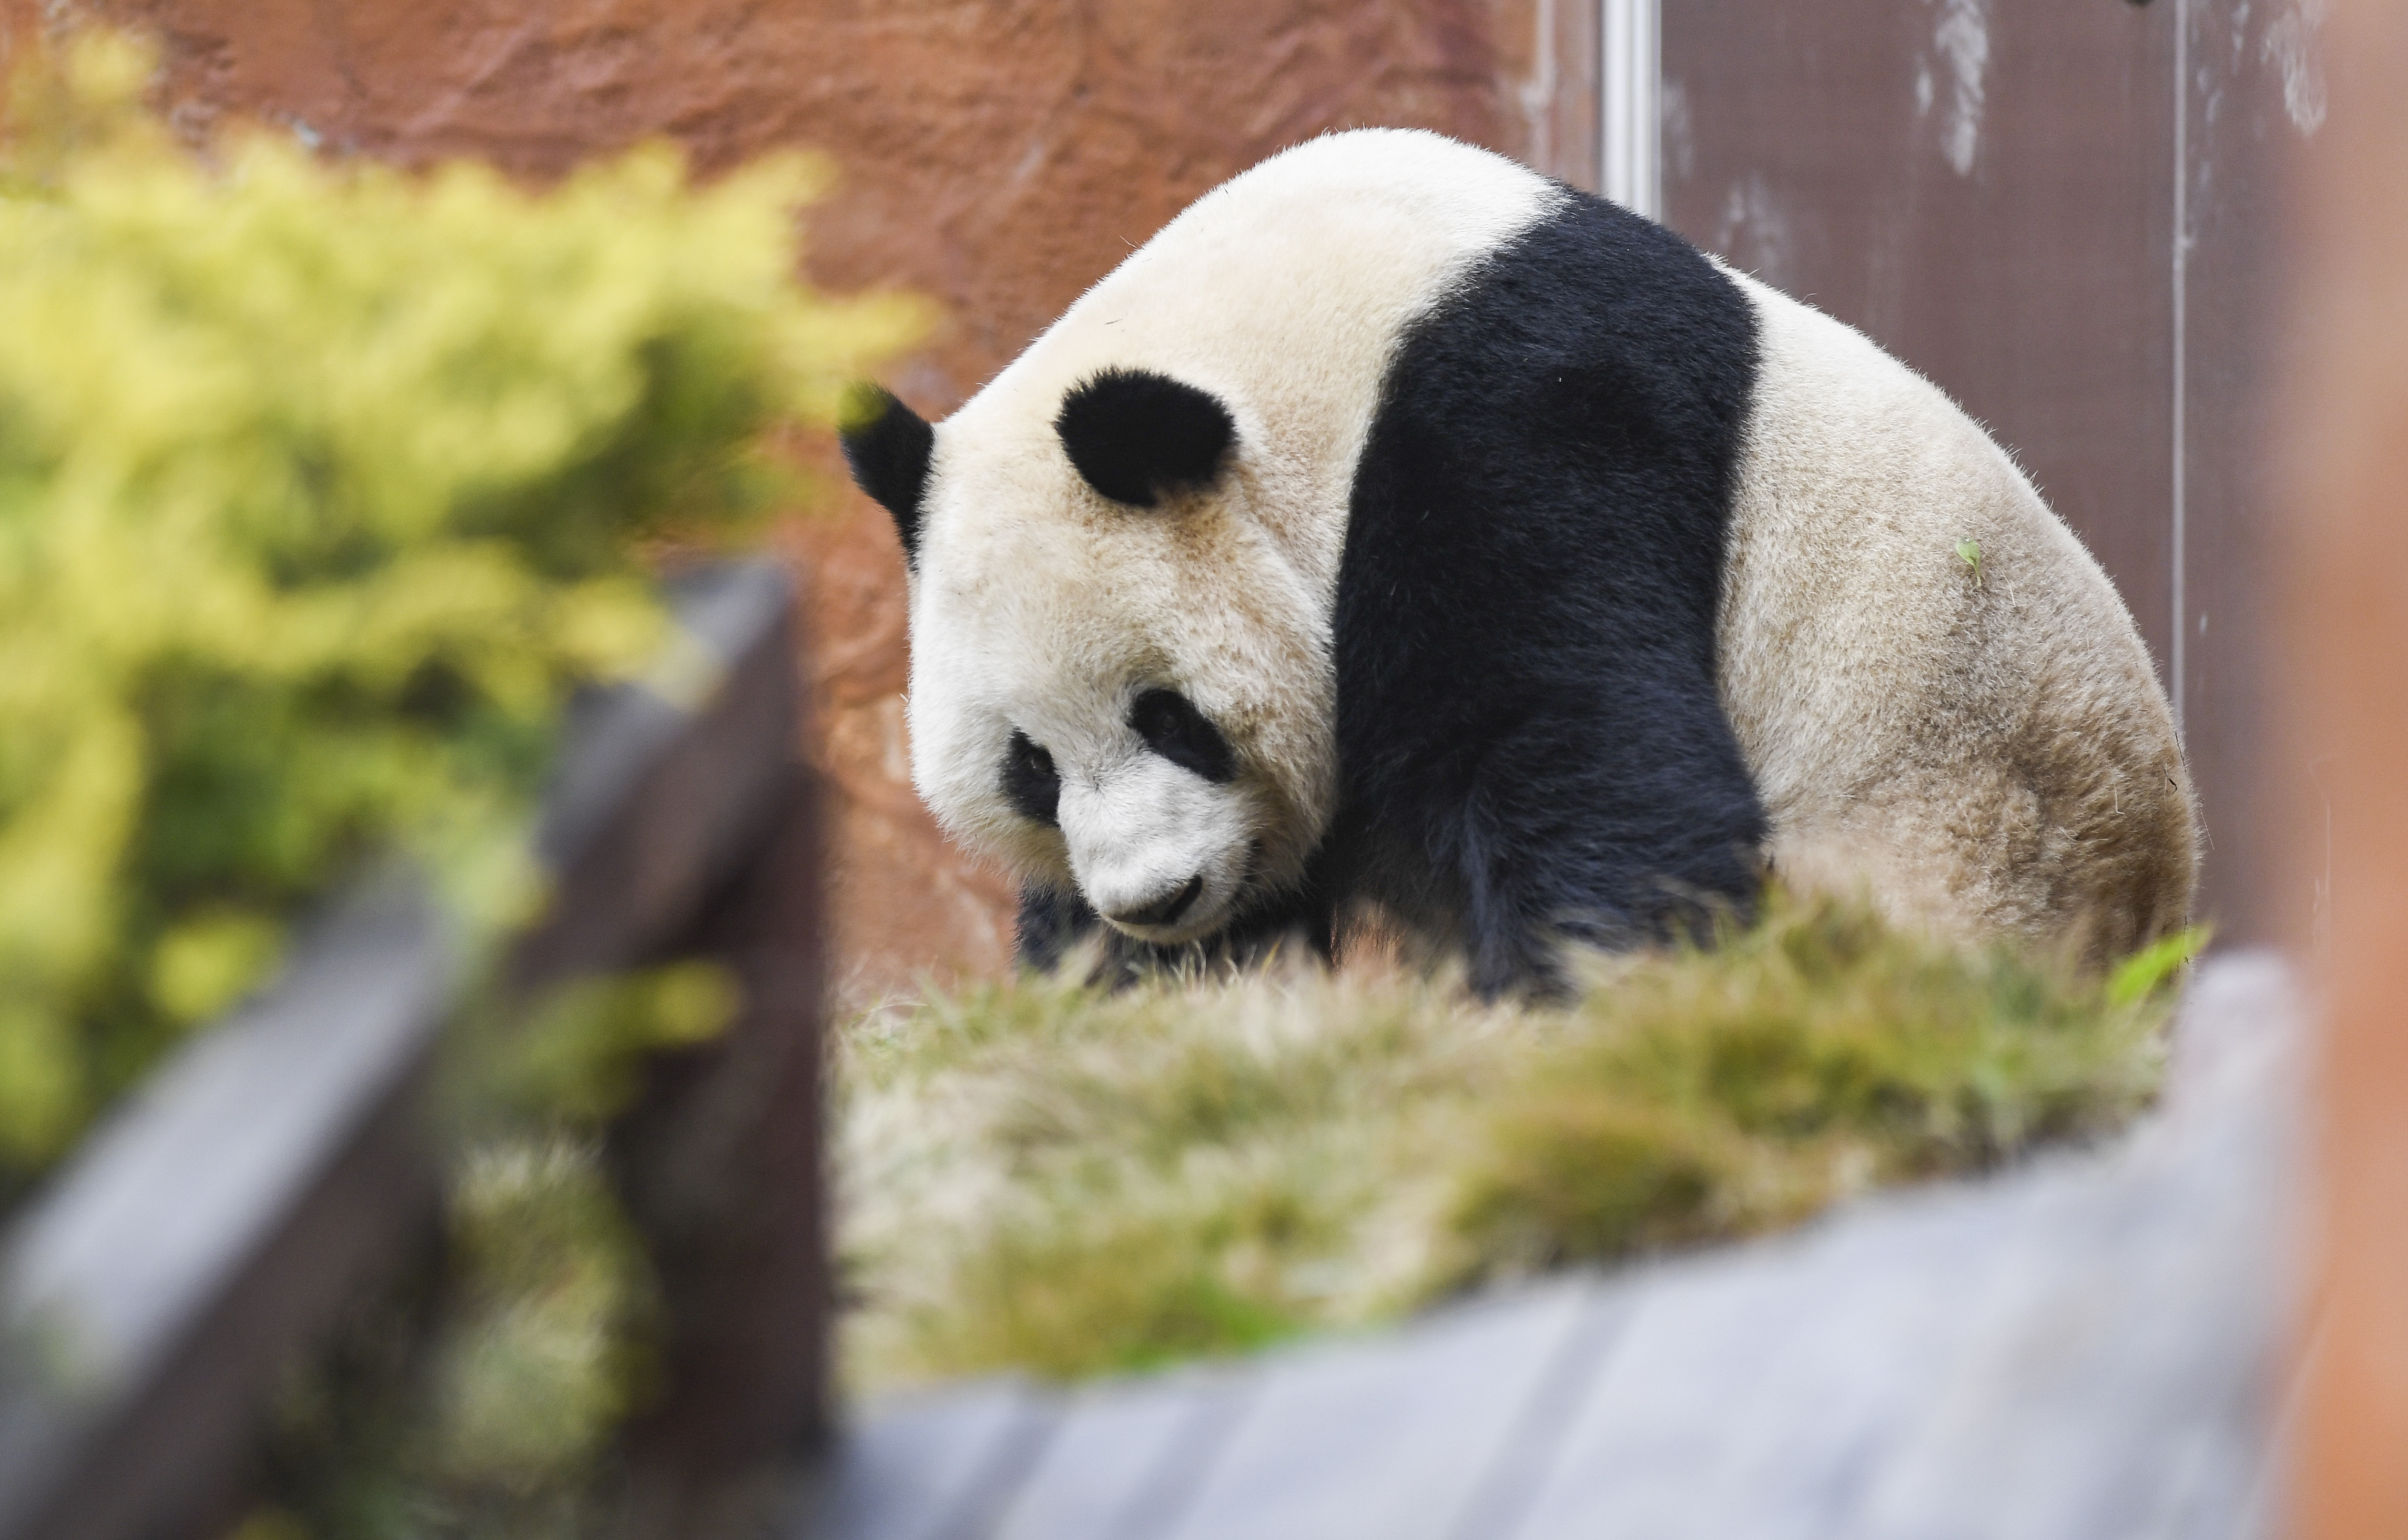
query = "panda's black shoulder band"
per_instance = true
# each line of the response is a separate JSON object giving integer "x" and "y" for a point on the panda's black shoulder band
{"x": 888, "y": 447}
{"x": 1135, "y": 434}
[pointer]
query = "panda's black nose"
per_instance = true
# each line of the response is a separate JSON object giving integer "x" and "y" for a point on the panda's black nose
{"x": 1165, "y": 910}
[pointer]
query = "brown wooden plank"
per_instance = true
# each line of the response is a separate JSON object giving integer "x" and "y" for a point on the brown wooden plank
{"x": 719, "y": 1166}
{"x": 668, "y": 788}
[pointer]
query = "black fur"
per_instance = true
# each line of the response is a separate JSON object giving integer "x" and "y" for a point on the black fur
{"x": 1030, "y": 783}
{"x": 1135, "y": 435}
{"x": 888, "y": 445}
{"x": 1531, "y": 742}
{"x": 1175, "y": 729}
{"x": 1053, "y": 923}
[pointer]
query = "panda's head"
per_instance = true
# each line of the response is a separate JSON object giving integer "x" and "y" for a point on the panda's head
{"x": 1120, "y": 674}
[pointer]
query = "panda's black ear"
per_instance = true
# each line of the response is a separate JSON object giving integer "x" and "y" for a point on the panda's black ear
{"x": 1135, "y": 435}
{"x": 888, "y": 447}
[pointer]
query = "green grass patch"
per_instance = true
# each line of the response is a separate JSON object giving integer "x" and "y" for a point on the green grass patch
{"x": 1041, "y": 1176}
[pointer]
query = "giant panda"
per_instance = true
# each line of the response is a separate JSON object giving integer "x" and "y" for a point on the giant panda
{"x": 1401, "y": 531}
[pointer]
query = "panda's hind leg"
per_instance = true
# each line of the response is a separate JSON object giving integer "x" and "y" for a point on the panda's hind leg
{"x": 1572, "y": 832}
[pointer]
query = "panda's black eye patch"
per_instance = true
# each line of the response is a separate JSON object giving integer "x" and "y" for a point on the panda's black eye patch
{"x": 1030, "y": 783}
{"x": 1175, "y": 729}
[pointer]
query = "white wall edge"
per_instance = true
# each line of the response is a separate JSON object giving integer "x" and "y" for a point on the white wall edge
{"x": 1631, "y": 116}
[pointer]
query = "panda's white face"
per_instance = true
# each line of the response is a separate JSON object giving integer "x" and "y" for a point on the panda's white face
{"x": 1190, "y": 552}
{"x": 1147, "y": 810}
{"x": 1133, "y": 701}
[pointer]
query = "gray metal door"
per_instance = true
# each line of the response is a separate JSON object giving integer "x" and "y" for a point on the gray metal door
{"x": 1992, "y": 189}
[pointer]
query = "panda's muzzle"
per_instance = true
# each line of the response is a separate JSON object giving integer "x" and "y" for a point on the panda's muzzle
{"x": 1165, "y": 910}
{"x": 1152, "y": 845}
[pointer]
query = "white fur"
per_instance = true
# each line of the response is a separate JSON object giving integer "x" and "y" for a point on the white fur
{"x": 1984, "y": 749}
{"x": 1041, "y": 605}
{"x": 1138, "y": 831}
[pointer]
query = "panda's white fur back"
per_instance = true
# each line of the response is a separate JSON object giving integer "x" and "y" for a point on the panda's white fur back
{"x": 1895, "y": 699}
{"x": 1982, "y": 748}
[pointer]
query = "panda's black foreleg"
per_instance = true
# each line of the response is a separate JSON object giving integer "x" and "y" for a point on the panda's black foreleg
{"x": 1506, "y": 948}
{"x": 1050, "y": 923}
{"x": 1303, "y": 919}
{"x": 1564, "y": 835}
{"x": 1053, "y": 923}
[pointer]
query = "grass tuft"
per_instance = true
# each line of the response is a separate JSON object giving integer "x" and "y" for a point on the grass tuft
{"x": 1701, "y": 1096}
{"x": 1040, "y": 1176}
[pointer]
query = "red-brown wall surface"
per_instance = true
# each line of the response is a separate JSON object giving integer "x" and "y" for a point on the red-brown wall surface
{"x": 999, "y": 155}
{"x": 2343, "y": 536}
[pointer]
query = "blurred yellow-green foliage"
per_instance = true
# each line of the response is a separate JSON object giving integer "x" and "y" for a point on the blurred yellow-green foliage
{"x": 320, "y": 488}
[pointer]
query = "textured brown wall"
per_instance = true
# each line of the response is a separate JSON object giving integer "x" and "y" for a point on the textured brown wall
{"x": 2343, "y": 537}
{"x": 999, "y": 157}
